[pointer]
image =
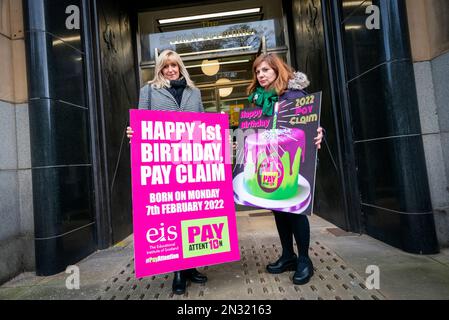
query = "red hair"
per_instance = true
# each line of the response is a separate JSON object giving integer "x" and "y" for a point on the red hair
{"x": 283, "y": 73}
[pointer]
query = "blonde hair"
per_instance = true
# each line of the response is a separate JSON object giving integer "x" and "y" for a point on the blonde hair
{"x": 159, "y": 81}
{"x": 284, "y": 73}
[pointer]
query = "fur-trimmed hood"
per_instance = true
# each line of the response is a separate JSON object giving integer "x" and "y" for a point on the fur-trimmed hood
{"x": 296, "y": 87}
{"x": 299, "y": 82}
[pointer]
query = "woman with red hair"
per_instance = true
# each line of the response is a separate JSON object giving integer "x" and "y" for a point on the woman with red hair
{"x": 274, "y": 81}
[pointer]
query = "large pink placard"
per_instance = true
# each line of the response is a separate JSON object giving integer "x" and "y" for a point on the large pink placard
{"x": 183, "y": 207}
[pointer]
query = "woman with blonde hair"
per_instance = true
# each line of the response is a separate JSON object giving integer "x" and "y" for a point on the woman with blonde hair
{"x": 275, "y": 81}
{"x": 172, "y": 90}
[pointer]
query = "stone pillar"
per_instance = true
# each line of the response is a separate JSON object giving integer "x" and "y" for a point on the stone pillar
{"x": 391, "y": 166}
{"x": 59, "y": 128}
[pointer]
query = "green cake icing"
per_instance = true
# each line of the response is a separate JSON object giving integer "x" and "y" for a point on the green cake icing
{"x": 289, "y": 186}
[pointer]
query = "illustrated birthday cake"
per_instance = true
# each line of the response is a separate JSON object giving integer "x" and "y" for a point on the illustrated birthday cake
{"x": 272, "y": 162}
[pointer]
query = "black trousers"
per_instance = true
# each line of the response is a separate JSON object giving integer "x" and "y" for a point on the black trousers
{"x": 289, "y": 225}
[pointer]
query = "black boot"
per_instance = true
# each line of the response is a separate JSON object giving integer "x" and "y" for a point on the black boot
{"x": 179, "y": 283}
{"x": 304, "y": 271}
{"x": 282, "y": 265}
{"x": 195, "y": 276}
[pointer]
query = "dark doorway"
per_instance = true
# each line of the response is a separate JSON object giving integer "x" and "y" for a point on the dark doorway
{"x": 308, "y": 50}
{"x": 120, "y": 71}
{"x": 114, "y": 85}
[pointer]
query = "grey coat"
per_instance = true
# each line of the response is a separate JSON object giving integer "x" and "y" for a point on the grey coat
{"x": 161, "y": 99}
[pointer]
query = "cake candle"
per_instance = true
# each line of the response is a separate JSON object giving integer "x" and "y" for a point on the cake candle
{"x": 275, "y": 116}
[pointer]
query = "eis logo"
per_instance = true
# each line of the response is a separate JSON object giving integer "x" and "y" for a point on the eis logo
{"x": 162, "y": 234}
{"x": 205, "y": 236}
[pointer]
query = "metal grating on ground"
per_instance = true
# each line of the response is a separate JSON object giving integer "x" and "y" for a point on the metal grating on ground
{"x": 247, "y": 279}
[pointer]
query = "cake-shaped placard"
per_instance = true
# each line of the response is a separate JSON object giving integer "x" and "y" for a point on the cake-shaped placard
{"x": 272, "y": 163}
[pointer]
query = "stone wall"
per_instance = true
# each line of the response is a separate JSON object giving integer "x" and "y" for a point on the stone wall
{"x": 429, "y": 37}
{"x": 16, "y": 206}
{"x": 429, "y": 28}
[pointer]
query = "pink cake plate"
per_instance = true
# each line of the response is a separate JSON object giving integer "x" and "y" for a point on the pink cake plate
{"x": 296, "y": 204}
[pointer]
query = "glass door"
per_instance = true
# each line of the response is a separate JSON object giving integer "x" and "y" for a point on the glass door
{"x": 223, "y": 82}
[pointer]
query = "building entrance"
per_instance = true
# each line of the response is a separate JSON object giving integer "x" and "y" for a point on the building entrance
{"x": 217, "y": 45}
{"x": 218, "y": 41}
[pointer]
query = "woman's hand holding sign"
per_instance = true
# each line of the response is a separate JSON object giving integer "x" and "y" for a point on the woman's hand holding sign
{"x": 129, "y": 133}
{"x": 319, "y": 138}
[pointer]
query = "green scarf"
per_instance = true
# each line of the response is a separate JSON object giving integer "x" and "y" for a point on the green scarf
{"x": 264, "y": 99}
